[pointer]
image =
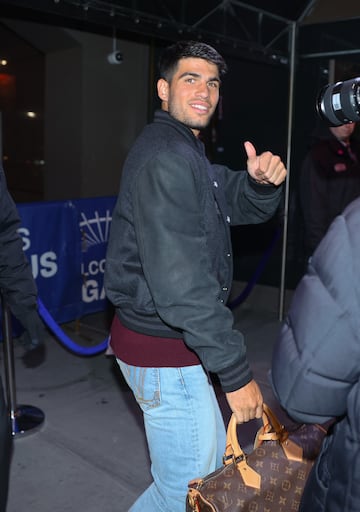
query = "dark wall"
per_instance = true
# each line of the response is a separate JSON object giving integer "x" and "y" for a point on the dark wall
{"x": 254, "y": 108}
{"x": 22, "y": 137}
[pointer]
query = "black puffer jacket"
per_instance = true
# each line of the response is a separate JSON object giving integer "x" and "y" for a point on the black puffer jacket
{"x": 169, "y": 259}
{"x": 316, "y": 363}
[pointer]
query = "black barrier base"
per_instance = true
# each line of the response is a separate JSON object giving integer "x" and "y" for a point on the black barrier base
{"x": 26, "y": 420}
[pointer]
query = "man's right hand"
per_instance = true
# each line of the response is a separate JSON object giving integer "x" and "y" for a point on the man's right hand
{"x": 246, "y": 403}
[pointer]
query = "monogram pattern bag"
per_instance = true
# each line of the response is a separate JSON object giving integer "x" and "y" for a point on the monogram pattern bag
{"x": 270, "y": 479}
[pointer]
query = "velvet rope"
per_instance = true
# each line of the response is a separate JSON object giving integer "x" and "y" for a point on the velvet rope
{"x": 65, "y": 340}
{"x": 258, "y": 271}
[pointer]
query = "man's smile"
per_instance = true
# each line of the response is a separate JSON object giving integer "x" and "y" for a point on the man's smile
{"x": 201, "y": 107}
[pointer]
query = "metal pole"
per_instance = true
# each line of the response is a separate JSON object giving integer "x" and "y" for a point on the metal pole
{"x": 8, "y": 362}
{"x": 333, "y": 54}
{"x": 24, "y": 418}
{"x": 288, "y": 165}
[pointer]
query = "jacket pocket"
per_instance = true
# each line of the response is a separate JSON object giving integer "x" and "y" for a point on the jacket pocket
{"x": 144, "y": 383}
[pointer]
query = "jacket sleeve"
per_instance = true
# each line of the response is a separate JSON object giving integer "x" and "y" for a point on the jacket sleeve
{"x": 316, "y": 358}
{"x": 250, "y": 202}
{"x": 16, "y": 279}
{"x": 173, "y": 251}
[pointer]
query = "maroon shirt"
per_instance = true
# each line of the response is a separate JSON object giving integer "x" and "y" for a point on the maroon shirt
{"x": 142, "y": 350}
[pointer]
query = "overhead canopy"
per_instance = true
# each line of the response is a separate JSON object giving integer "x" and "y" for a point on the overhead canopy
{"x": 258, "y": 29}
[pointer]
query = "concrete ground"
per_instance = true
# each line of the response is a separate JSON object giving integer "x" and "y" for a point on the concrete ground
{"x": 89, "y": 454}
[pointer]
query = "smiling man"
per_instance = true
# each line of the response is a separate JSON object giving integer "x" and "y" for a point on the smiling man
{"x": 191, "y": 94}
{"x": 169, "y": 273}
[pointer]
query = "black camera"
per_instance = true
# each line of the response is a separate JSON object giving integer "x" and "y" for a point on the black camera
{"x": 339, "y": 103}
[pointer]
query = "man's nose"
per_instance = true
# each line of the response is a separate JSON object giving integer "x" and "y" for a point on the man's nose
{"x": 202, "y": 90}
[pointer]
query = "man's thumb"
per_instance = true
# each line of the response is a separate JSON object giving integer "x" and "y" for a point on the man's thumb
{"x": 250, "y": 150}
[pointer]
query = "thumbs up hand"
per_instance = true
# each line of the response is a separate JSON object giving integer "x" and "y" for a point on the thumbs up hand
{"x": 265, "y": 168}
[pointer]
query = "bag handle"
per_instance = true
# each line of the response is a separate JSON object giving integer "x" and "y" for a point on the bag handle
{"x": 272, "y": 430}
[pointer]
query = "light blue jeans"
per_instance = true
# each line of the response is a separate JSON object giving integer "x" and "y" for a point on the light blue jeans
{"x": 184, "y": 428}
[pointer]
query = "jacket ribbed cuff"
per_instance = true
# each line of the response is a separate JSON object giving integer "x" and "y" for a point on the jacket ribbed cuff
{"x": 235, "y": 377}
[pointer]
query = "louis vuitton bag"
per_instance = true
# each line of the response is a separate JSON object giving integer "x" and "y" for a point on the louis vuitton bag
{"x": 270, "y": 479}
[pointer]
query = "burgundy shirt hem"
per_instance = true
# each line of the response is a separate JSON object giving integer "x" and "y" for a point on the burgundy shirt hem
{"x": 137, "y": 349}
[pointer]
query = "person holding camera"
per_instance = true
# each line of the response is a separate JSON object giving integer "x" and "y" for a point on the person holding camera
{"x": 18, "y": 289}
{"x": 329, "y": 181}
{"x": 169, "y": 273}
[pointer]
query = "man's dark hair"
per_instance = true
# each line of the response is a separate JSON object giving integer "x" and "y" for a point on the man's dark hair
{"x": 184, "y": 49}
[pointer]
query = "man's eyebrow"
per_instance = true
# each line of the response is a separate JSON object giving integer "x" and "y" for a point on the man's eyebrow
{"x": 197, "y": 75}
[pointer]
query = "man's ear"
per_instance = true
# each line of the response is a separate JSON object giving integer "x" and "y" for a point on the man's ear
{"x": 163, "y": 89}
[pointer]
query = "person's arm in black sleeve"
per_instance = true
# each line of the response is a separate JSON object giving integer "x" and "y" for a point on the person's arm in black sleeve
{"x": 16, "y": 280}
{"x": 255, "y": 195}
{"x": 250, "y": 202}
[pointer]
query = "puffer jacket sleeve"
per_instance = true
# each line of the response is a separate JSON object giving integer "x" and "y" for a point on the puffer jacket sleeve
{"x": 316, "y": 358}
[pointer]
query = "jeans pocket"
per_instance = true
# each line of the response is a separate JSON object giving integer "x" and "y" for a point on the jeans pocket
{"x": 144, "y": 383}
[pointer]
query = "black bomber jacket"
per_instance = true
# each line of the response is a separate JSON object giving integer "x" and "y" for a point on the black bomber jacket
{"x": 169, "y": 259}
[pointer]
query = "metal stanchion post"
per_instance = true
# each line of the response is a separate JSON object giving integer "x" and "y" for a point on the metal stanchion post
{"x": 24, "y": 418}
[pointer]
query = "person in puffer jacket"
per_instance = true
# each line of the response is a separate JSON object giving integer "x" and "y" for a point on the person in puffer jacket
{"x": 316, "y": 363}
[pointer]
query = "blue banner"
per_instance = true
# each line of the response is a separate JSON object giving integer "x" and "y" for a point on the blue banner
{"x": 94, "y": 220}
{"x": 65, "y": 243}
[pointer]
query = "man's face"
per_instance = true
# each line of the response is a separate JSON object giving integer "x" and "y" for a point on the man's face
{"x": 343, "y": 132}
{"x": 193, "y": 93}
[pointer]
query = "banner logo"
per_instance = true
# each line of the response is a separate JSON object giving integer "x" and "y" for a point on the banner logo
{"x": 94, "y": 237}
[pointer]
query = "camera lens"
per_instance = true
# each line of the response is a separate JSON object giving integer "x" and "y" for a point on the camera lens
{"x": 339, "y": 103}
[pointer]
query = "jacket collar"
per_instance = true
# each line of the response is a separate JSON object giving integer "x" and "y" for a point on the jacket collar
{"x": 163, "y": 117}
